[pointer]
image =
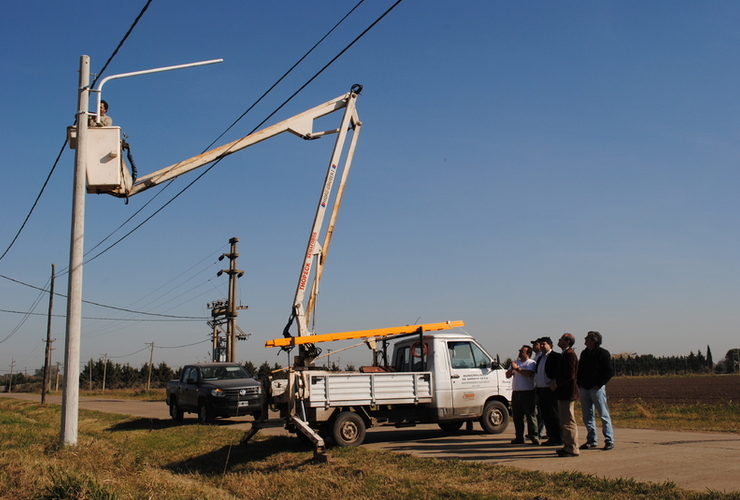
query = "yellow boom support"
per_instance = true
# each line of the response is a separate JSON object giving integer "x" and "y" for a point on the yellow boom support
{"x": 382, "y": 332}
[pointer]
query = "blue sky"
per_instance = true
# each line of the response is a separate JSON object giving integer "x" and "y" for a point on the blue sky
{"x": 531, "y": 168}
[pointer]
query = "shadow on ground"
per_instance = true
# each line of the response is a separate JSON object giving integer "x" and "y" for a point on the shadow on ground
{"x": 229, "y": 458}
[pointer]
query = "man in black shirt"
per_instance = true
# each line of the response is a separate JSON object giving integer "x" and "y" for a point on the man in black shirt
{"x": 595, "y": 369}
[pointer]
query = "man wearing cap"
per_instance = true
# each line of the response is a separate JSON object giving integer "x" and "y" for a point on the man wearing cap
{"x": 547, "y": 363}
{"x": 536, "y": 355}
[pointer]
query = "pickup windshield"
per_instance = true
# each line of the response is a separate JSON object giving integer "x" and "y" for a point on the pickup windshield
{"x": 223, "y": 372}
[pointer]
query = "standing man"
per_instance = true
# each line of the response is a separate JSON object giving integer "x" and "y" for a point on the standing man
{"x": 547, "y": 364}
{"x": 566, "y": 392}
{"x": 536, "y": 355}
{"x": 595, "y": 369}
{"x": 522, "y": 397}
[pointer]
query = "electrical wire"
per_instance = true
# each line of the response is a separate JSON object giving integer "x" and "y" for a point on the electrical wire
{"x": 26, "y": 315}
{"x": 211, "y": 166}
{"x": 284, "y": 75}
{"x": 61, "y": 151}
{"x": 33, "y": 207}
{"x": 148, "y": 320}
{"x": 102, "y": 305}
{"x": 120, "y": 44}
{"x": 265, "y": 119}
{"x": 181, "y": 346}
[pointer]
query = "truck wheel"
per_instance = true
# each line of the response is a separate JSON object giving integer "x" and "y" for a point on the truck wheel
{"x": 495, "y": 417}
{"x": 175, "y": 412}
{"x": 348, "y": 429}
{"x": 450, "y": 427}
{"x": 205, "y": 415}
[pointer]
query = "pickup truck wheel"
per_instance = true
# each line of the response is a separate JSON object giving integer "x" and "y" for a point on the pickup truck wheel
{"x": 495, "y": 417}
{"x": 205, "y": 415}
{"x": 450, "y": 427}
{"x": 175, "y": 412}
{"x": 348, "y": 429}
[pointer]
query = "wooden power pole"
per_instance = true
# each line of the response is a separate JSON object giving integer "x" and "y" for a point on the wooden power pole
{"x": 47, "y": 357}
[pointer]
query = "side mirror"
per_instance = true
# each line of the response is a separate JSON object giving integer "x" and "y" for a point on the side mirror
{"x": 495, "y": 365}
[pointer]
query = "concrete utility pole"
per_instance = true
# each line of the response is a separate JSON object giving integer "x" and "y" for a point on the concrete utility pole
{"x": 232, "y": 311}
{"x": 71, "y": 393}
{"x": 10, "y": 383}
{"x": 47, "y": 357}
{"x": 105, "y": 368}
{"x": 151, "y": 357}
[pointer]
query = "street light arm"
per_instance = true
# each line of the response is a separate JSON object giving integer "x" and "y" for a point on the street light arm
{"x": 99, "y": 90}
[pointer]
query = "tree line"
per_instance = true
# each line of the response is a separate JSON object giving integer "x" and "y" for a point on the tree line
{"x": 647, "y": 364}
{"x": 125, "y": 376}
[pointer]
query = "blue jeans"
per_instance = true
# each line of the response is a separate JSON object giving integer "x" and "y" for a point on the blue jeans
{"x": 594, "y": 401}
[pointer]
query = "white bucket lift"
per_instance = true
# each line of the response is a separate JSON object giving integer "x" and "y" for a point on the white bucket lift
{"x": 106, "y": 170}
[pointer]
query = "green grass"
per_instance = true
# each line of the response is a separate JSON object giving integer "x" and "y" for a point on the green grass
{"x": 120, "y": 457}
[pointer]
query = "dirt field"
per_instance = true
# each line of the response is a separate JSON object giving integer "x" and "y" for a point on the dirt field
{"x": 717, "y": 389}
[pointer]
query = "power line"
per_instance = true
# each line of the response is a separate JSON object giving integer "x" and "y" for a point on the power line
{"x": 217, "y": 161}
{"x": 61, "y": 151}
{"x": 284, "y": 75}
{"x": 181, "y": 346}
{"x": 33, "y": 207}
{"x": 26, "y": 315}
{"x": 148, "y": 320}
{"x": 120, "y": 44}
{"x": 101, "y": 305}
{"x": 267, "y": 118}
{"x": 210, "y": 145}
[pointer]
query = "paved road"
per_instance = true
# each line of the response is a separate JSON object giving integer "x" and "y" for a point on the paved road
{"x": 692, "y": 460}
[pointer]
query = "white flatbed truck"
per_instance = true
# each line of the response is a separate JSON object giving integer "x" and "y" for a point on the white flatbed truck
{"x": 445, "y": 378}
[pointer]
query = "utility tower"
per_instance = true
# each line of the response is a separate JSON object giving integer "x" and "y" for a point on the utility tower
{"x": 226, "y": 312}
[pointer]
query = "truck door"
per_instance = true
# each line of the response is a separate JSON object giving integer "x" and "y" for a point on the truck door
{"x": 189, "y": 388}
{"x": 471, "y": 377}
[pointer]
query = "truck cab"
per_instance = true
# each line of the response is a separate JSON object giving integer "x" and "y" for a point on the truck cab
{"x": 466, "y": 377}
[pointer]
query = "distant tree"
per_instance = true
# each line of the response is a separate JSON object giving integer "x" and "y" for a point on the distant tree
{"x": 161, "y": 374}
{"x": 710, "y": 362}
{"x": 249, "y": 367}
{"x": 349, "y": 367}
{"x": 264, "y": 370}
{"x": 732, "y": 358}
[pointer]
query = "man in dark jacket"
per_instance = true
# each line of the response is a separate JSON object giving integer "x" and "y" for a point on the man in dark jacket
{"x": 595, "y": 369}
{"x": 547, "y": 365}
{"x": 566, "y": 392}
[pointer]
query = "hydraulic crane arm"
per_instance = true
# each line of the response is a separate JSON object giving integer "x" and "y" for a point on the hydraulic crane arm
{"x": 301, "y": 125}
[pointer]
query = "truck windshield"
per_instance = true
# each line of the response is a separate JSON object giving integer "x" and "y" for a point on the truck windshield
{"x": 223, "y": 372}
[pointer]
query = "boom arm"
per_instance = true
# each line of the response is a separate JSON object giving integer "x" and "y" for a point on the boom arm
{"x": 314, "y": 250}
{"x": 300, "y": 125}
